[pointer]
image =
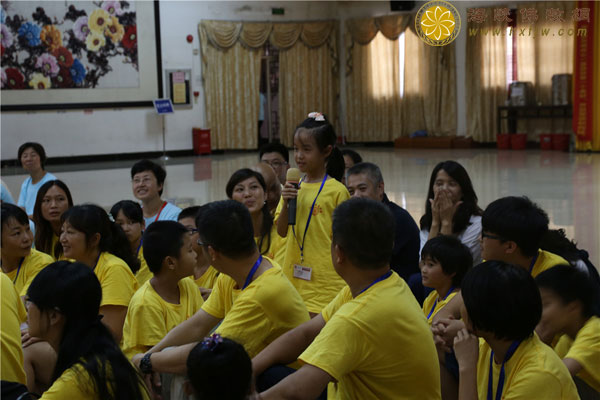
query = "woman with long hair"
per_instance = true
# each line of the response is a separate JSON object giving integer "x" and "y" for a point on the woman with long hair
{"x": 63, "y": 305}
{"x": 53, "y": 199}
{"x": 88, "y": 236}
{"x": 451, "y": 208}
{"x": 249, "y": 188}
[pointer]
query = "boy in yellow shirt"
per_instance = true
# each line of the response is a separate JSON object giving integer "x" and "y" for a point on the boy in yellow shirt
{"x": 570, "y": 300}
{"x": 372, "y": 341}
{"x": 252, "y": 301}
{"x": 13, "y": 315}
{"x": 444, "y": 262}
{"x": 170, "y": 297}
{"x": 204, "y": 275}
{"x": 502, "y": 306}
{"x": 20, "y": 262}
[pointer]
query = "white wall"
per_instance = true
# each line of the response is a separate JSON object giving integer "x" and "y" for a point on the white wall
{"x": 109, "y": 131}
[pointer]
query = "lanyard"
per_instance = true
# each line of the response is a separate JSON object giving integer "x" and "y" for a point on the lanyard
{"x": 381, "y": 278}
{"x": 159, "y": 211}
{"x": 252, "y": 271}
{"x": 436, "y": 301}
{"x": 19, "y": 269}
{"x": 97, "y": 259}
{"x": 308, "y": 221}
{"x": 533, "y": 263}
{"x": 509, "y": 353}
{"x": 137, "y": 252}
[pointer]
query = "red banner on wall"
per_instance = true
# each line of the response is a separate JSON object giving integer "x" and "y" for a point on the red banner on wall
{"x": 583, "y": 82}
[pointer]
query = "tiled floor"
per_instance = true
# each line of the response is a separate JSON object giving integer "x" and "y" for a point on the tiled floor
{"x": 566, "y": 185}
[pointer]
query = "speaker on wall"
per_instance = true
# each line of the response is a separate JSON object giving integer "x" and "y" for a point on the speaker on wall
{"x": 402, "y": 5}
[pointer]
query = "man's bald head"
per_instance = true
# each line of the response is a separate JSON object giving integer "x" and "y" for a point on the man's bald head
{"x": 272, "y": 182}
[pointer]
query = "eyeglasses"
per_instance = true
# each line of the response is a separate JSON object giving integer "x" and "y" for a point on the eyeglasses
{"x": 485, "y": 235}
{"x": 192, "y": 231}
{"x": 145, "y": 181}
{"x": 276, "y": 163}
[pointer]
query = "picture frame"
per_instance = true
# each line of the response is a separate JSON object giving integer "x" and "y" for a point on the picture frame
{"x": 150, "y": 76}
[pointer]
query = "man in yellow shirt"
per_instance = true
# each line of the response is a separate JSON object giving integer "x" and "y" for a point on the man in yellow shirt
{"x": 20, "y": 262}
{"x": 170, "y": 297}
{"x": 372, "y": 341}
{"x": 13, "y": 315}
{"x": 502, "y": 306}
{"x": 252, "y": 299}
{"x": 570, "y": 300}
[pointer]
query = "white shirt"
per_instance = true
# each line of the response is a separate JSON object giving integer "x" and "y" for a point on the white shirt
{"x": 469, "y": 237}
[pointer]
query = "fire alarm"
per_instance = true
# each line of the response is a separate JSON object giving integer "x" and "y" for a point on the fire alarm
{"x": 189, "y": 38}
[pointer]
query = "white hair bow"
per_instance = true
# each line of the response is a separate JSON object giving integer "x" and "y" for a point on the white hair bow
{"x": 317, "y": 116}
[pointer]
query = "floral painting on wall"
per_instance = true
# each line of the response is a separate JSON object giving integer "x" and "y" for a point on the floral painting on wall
{"x": 73, "y": 44}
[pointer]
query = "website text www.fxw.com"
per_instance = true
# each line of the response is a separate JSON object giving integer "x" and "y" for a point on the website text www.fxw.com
{"x": 528, "y": 32}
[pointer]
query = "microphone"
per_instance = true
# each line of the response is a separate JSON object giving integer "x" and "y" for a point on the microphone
{"x": 293, "y": 176}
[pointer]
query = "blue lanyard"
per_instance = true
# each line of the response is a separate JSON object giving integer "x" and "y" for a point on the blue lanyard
{"x": 137, "y": 252}
{"x": 381, "y": 278}
{"x": 533, "y": 263}
{"x": 511, "y": 350}
{"x": 308, "y": 220}
{"x": 436, "y": 301}
{"x": 97, "y": 259}
{"x": 19, "y": 269}
{"x": 252, "y": 271}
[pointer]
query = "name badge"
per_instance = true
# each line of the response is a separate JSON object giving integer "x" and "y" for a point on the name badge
{"x": 302, "y": 272}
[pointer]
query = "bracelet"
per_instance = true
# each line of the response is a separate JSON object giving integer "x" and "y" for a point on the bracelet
{"x": 146, "y": 364}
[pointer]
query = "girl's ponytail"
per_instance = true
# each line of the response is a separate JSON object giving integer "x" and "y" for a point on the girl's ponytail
{"x": 335, "y": 164}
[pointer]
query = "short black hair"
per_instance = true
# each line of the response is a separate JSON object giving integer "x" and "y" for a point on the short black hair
{"x": 370, "y": 169}
{"x": 356, "y": 158}
{"x": 11, "y": 211}
{"x": 517, "y": 219}
{"x": 571, "y": 284}
{"x": 275, "y": 148}
{"x": 38, "y": 149}
{"x": 189, "y": 212}
{"x": 147, "y": 165}
{"x": 220, "y": 370}
{"x": 227, "y": 226}
{"x": 503, "y": 299}
{"x": 364, "y": 229}
{"x": 162, "y": 239}
{"x": 452, "y": 254}
{"x": 131, "y": 210}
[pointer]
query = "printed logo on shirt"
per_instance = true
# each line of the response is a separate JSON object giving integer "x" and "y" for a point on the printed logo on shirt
{"x": 317, "y": 210}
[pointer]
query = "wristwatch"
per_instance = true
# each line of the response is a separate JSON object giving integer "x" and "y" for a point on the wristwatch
{"x": 146, "y": 364}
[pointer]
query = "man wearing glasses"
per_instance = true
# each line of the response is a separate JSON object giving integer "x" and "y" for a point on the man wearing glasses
{"x": 278, "y": 157}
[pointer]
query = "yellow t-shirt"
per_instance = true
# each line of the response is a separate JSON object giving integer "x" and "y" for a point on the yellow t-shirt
{"x": 259, "y": 314}
{"x": 585, "y": 350}
{"x": 150, "y": 317}
{"x": 432, "y": 301}
{"x": 76, "y": 383}
{"x": 143, "y": 274}
{"x": 533, "y": 372}
{"x": 32, "y": 264}
{"x": 546, "y": 260}
{"x": 377, "y": 345}
{"x": 324, "y": 283}
{"x": 276, "y": 250}
{"x": 117, "y": 281}
{"x": 208, "y": 278}
{"x": 13, "y": 314}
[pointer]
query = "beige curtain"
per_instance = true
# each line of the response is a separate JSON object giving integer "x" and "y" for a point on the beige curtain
{"x": 486, "y": 76}
{"x": 373, "y": 92}
{"x": 375, "y": 109}
{"x": 541, "y": 56}
{"x": 307, "y": 82}
{"x": 231, "y": 53}
{"x": 232, "y": 96}
{"x": 429, "y": 87}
